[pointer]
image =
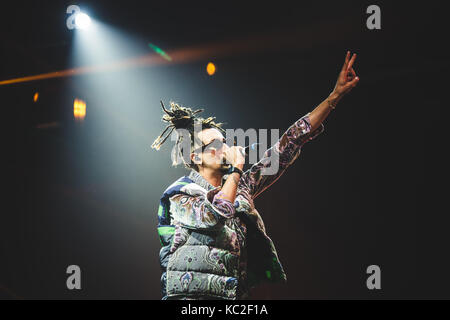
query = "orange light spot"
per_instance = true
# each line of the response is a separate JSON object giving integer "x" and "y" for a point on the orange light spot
{"x": 211, "y": 68}
{"x": 79, "y": 109}
{"x": 36, "y": 97}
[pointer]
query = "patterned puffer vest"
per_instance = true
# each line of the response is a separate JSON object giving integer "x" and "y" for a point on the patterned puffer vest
{"x": 210, "y": 259}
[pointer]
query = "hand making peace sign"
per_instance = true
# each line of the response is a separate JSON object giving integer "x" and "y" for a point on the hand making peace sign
{"x": 347, "y": 79}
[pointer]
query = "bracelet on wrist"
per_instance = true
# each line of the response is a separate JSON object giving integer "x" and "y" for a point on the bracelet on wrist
{"x": 234, "y": 169}
{"x": 331, "y": 105}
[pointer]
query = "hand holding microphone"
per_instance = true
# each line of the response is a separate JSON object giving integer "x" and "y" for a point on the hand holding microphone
{"x": 235, "y": 155}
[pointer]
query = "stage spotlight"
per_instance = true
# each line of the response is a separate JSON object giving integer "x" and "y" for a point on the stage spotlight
{"x": 79, "y": 109}
{"x": 210, "y": 68}
{"x": 82, "y": 21}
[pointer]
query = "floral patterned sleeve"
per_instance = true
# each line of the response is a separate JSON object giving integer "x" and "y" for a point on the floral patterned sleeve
{"x": 200, "y": 211}
{"x": 277, "y": 158}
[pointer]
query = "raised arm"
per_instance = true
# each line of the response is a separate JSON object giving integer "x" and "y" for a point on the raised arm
{"x": 288, "y": 147}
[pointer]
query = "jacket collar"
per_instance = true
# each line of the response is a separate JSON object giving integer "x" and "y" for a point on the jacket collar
{"x": 198, "y": 179}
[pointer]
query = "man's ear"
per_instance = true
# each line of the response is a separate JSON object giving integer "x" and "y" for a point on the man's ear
{"x": 196, "y": 159}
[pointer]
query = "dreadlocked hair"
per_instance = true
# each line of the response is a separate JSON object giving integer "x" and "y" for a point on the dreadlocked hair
{"x": 179, "y": 117}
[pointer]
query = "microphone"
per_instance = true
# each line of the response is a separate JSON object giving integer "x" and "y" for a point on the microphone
{"x": 244, "y": 152}
{"x": 248, "y": 148}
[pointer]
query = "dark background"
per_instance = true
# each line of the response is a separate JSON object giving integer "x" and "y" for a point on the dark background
{"x": 367, "y": 191}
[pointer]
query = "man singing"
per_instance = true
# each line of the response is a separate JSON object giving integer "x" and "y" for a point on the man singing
{"x": 214, "y": 243}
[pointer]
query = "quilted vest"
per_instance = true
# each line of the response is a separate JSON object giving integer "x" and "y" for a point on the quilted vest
{"x": 221, "y": 262}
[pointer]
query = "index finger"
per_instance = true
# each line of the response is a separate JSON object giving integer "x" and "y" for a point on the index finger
{"x": 347, "y": 57}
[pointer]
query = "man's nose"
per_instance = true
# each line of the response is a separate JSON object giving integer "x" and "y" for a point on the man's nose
{"x": 220, "y": 151}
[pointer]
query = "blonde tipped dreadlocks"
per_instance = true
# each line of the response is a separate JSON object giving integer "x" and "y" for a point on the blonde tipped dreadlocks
{"x": 179, "y": 117}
